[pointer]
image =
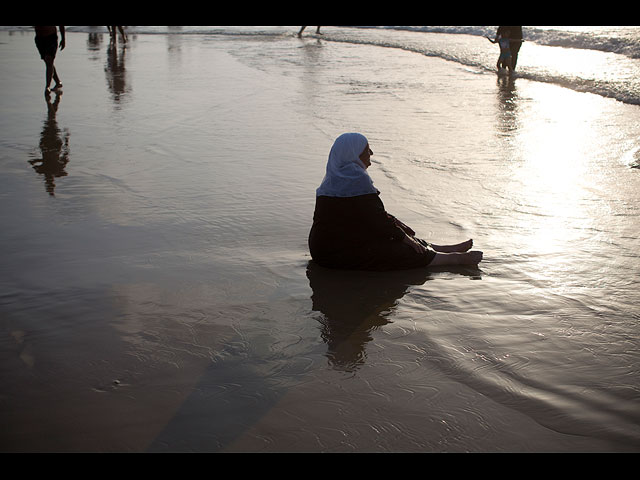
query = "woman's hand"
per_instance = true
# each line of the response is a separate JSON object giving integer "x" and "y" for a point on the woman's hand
{"x": 413, "y": 244}
{"x": 404, "y": 227}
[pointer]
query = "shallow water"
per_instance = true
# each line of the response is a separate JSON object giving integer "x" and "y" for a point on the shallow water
{"x": 158, "y": 295}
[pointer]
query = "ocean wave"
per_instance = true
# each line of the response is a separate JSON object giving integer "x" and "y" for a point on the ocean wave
{"x": 619, "y": 40}
{"x": 622, "y": 40}
{"x": 625, "y": 89}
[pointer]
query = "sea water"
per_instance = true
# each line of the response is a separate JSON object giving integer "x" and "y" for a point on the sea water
{"x": 158, "y": 292}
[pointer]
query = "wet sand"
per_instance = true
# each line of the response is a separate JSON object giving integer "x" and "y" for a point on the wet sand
{"x": 156, "y": 289}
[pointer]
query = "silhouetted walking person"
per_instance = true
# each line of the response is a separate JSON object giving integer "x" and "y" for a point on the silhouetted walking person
{"x": 47, "y": 44}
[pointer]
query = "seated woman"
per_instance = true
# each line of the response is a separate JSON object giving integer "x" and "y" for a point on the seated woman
{"x": 351, "y": 229}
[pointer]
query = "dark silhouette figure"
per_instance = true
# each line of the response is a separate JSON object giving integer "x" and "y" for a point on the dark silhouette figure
{"x": 504, "y": 60}
{"x": 47, "y": 44}
{"x": 54, "y": 148}
{"x": 302, "y": 30}
{"x": 515, "y": 42}
{"x": 351, "y": 228}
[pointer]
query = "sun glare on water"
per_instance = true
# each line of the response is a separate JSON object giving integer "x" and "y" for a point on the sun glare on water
{"x": 554, "y": 177}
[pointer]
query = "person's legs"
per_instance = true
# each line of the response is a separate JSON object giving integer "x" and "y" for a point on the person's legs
{"x": 49, "y": 72}
{"x": 466, "y": 258}
{"x": 124, "y": 36}
{"x": 458, "y": 248}
{"x": 515, "y": 49}
{"x": 47, "y": 47}
{"x": 56, "y": 79}
{"x": 457, "y": 254}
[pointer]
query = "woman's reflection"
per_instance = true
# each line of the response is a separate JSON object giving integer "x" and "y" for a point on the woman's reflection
{"x": 54, "y": 147}
{"x": 353, "y": 305}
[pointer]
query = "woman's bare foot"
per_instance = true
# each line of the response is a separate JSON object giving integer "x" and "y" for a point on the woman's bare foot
{"x": 459, "y": 248}
{"x": 457, "y": 258}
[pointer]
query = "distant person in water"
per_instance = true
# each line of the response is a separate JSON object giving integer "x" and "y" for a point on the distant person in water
{"x": 352, "y": 230}
{"x": 302, "y": 30}
{"x": 515, "y": 42}
{"x": 47, "y": 44}
{"x": 504, "y": 60}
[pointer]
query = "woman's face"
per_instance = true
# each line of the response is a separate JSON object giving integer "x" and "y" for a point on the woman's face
{"x": 365, "y": 156}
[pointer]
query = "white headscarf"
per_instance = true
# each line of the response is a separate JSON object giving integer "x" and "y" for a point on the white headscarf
{"x": 346, "y": 174}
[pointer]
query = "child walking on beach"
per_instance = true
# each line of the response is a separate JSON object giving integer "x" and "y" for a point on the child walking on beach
{"x": 47, "y": 44}
{"x": 504, "y": 61}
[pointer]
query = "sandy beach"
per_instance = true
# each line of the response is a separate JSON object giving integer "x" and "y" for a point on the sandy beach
{"x": 157, "y": 291}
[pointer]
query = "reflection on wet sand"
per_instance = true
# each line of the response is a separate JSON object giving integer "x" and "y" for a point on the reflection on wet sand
{"x": 508, "y": 114}
{"x": 94, "y": 44}
{"x": 116, "y": 72}
{"x": 54, "y": 148}
{"x": 353, "y": 305}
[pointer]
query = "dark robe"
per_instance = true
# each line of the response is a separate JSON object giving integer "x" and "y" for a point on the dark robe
{"x": 356, "y": 233}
